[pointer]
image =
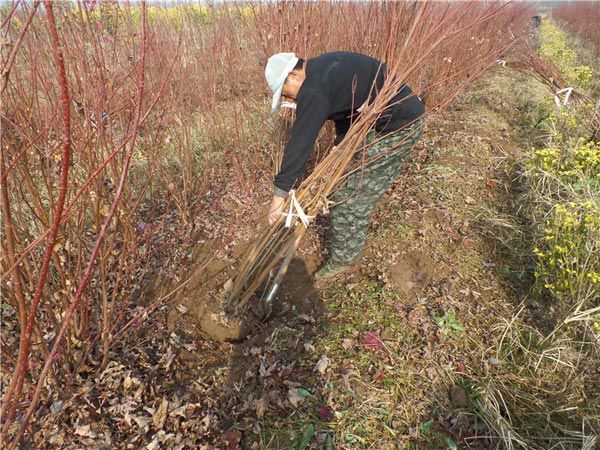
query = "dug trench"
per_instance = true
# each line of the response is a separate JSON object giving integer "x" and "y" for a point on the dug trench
{"x": 427, "y": 255}
{"x": 199, "y": 308}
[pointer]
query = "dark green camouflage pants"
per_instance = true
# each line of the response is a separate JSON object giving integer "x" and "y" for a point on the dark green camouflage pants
{"x": 363, "y": 188}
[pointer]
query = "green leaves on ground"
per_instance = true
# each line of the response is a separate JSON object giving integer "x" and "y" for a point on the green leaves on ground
{"x": 309, "y": 432}
{"x": 448, "y": 322}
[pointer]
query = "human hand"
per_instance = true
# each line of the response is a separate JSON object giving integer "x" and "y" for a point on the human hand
{"x": 276, "y": 208}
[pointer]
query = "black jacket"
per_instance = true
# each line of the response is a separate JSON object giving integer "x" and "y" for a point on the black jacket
{"x": 336, "y": 86}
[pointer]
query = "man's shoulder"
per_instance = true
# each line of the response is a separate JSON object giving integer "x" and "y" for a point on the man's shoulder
{"x": 309, "y": 94}
{"x": 341, "y": 56}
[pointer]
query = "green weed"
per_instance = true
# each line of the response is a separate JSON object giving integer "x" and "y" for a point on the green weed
{"x": 448, "y": 323}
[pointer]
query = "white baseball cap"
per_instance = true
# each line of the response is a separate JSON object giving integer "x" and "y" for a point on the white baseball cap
{"x": 277, "y": 69}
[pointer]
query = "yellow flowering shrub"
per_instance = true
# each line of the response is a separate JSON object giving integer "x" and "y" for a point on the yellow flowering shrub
{"x": 562, "y": 124}
{"x": 175, "y": 14}
{"x": 564, "y": 181}
{"x": 110, "y": 14}
{"x": 569, "y": 256}
{"x": 554, "y": 47}
{"x": 578, "y": 159}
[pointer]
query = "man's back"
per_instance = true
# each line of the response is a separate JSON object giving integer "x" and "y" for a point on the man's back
{"x": 345, "y": 78}
{"x": 336, "y": 86}
{"x": 348, "y": 80}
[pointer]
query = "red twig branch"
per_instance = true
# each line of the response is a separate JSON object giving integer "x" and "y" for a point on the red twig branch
{"x": 90, "y": 265}
{"x": 10, "y": 13}
{"x": 84, "y": 188}
{"x": 13, "y": 54}
{"x": 13, "y": 392}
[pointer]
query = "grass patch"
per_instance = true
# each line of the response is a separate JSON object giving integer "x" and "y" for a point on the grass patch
{"x": 539, "y": 392}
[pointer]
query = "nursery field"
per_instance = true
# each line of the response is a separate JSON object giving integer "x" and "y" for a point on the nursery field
{"x": 138, "y": 152}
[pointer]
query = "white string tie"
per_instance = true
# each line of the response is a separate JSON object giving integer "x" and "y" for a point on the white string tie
{"x": 290, "y": 105}
{"x": 296, "y": 210}
{"x": 567, "y": 92}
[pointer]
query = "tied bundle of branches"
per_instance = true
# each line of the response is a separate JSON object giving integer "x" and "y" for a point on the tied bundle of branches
{"x": 546, "y": 72}
{"x": 417, "y": 31}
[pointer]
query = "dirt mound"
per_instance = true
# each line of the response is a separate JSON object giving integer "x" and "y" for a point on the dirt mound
{"x": 198, "y": 307}
{"x": 412, "y": 273}
{"x": 205, "y": 317}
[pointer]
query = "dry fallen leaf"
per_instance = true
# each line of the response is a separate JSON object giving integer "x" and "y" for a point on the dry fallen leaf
{"x": 307, "y": 318}
{"x": 83, "y": 430}
{"x": 378, "y": 376}
{"x": 142, "y": 422}
{"x": 127, "y": 382}
{"x": 309, "y": 347}
{"x": 324, "y": 413}
{"x": 294, "y": 397}
{"x": 321, "y": 366}
{"x": 372, "y": 341}
{"x": 347, "y": 344}
{"x": 230, "y": 440}
{"x": 159, "y": 417}
{"x": 261, "y": 407}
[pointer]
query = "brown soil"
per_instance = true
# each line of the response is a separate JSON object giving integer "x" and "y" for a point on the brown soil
{"x": 198, "y": 308}
{"x": 412, "y": 273}
{"x": 434, "y": 217}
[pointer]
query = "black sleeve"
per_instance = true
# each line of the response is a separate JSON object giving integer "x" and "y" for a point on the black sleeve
{"x": 341, "y": 128}
{"x": 311, "y": 113}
